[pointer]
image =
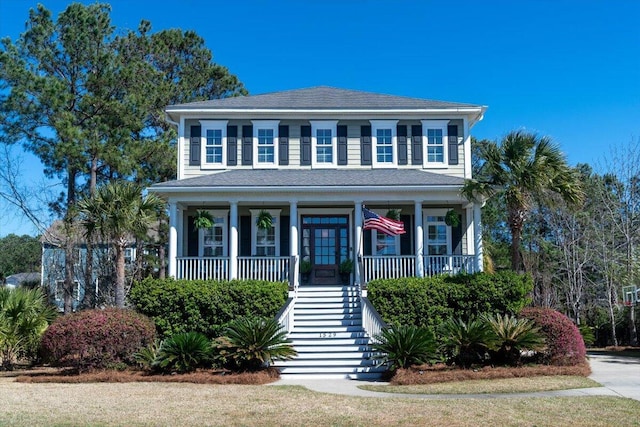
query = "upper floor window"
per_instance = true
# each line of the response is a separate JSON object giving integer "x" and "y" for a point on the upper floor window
{"x": 384, "y": 143}
{"x": 265, "y": 143}
{"x": 213, "y": 242}
{"x": 324, "y": 142}
{"x": 214, "y": 144}
{"x": 266, "y": 242}
{"x": 434, "y": 139}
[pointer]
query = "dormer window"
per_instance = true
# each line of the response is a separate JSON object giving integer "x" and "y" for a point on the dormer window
{"x": 214, "y": 144}
{"x": 384, "y": 143}
{"x": 265, "y": 146}
{"x": 324, "y": 137}
{"x": 434, "y": 140}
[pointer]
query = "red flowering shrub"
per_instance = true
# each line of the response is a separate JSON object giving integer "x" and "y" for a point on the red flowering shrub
{"x": 93, "y": 339}
{"x": 565, "y": 346}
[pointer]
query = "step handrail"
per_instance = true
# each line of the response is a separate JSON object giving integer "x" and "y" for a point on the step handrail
{"x": 285, "y": 315}
{"x": 372, "y": 322}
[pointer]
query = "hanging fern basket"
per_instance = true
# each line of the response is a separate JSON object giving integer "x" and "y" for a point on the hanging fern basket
{"x": 264, "y": 221}
{"x": 451, "y": 218}
{"x": 393, "y": 214}
{"x": 203, "y": 220}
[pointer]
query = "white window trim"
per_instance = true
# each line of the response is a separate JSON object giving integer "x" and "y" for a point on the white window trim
{"x": 384, "y": 124}
{"x": 275, "y": 214}
{"x": 265, "y": 124}
{"x": 213, "y": 125}
{"x": 224, "y": 214}
{"x": 435, "y": 124}
{"x": 324, "y": 124}
{"x": 435, "y": 212}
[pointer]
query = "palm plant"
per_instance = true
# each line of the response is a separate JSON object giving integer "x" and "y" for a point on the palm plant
{"x": 24, "y": 316}
{"x": 251, "y": 343}
{"x": 403, "y": 346}
{"x": 118, "y": 211}
{"x": 511, "y": 336}
{"x": 466, "y": 343}
{"x": 146, "y": 356}
{"x": 183, "y": 352}
{"x": 524, "y": 168}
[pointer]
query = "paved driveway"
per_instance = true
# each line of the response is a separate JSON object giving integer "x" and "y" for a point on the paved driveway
{"x": 619, "y": 374}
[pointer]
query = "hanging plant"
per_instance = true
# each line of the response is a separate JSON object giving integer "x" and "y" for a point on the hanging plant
{"x": 393, "y": 214}
{"x": 451, "y": 218}
{"x": 203, "y": 220}
{"x": 264, "y": 221}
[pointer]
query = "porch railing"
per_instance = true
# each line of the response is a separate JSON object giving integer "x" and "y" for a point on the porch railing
{"x": 274, "y": 269}
{"x": 448, "y": 264}
{"x": 198, "y": 268}
{"x": 388, "y": 267}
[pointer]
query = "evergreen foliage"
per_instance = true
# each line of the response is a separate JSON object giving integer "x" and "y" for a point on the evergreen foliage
{"x": 403, "y": 346}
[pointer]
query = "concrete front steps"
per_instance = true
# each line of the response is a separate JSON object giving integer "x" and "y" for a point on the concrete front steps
{"x": 328, "y": 336}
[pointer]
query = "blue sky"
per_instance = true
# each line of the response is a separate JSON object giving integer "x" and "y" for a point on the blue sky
{"x": 566, "y": 69}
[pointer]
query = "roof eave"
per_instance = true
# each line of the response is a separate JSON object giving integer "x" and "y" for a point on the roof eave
{"x": 301, "y": 189}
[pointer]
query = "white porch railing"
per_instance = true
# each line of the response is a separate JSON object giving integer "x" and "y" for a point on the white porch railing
{"x": 448, "y": 264}
{"x": 371, "y": 320}
{"x": 198, "y": 268}
{"x": 274, "y": 269}
{"x": 388, "y": 267}
{"x": 285, "y": 315}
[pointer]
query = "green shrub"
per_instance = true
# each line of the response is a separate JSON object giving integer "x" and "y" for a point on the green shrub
{"x": 94, "y": 339}
{"x": 511, "y": 335}
{"x": 565, "y": 346}
{"x": 429, "y": 301}
{"x": 403, "y": 346}
{"x": 184, "y": 352}
{"x": 252, "y": 343}
{"x": 466, "y": 343}
{"x": 178, "y": 306}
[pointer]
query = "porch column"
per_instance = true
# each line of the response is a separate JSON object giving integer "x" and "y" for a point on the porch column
{"x": 469, "y": 230}
{"x": 477, "y": 236}
{"x": 357, "y": 247}
{"x": 233, "y": 241}
{"x": 173, "y": 239}
{"x": 419, "y": 240}
{"x": 293, "y": 242}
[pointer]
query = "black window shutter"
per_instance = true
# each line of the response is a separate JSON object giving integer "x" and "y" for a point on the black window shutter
{"x": 305, "y": 145}
{"x": 452, "y": 131}
{"x": 247, "y": 145}
{"x": 232, "y": 145}
{"x": 366, "y": 242}
{"x": 365, "y": 145}
{"x": 342, "y": 145}
{"x": 194, "y": 146}
{"x": 283, "y": 149}
{"x": 245, "y": 236}
{"x": 405, "y": 239}
{"x": 192, "y": 237}
{"x": 402, "y": 145}
{"x": 416, "y": 144}
{"x": 456, "y": 237}
{"x": 284, "y": 235}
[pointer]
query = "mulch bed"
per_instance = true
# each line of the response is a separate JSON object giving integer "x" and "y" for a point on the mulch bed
{"x": 127, "y": 376}
{"x": 442, "y": 373}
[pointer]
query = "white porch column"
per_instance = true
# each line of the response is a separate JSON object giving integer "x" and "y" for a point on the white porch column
{"x": 180, "y": 231}
{"x": 173, "y": 239}
{"x": 357, "y": 247}
{"x": 470, "y": 233}
{"x": 233, "y": 241}
{"x": 419, "y": 239}
{"x": 294, "y": 246}
{"x": 477, "y": 236}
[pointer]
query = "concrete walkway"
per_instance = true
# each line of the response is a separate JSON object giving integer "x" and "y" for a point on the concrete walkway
{"x": 620, "y": 376}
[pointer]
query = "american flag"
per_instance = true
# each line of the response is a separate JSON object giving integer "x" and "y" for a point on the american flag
{"x": 373, "y": 221}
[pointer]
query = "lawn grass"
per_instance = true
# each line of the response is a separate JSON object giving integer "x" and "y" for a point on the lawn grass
{"x": 504, "y": 385}
{"x": 160, "y": 404}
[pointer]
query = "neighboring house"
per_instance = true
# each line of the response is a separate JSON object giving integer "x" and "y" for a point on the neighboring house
{"x": 314, "y": 159}
{"x": 21, "y": 279}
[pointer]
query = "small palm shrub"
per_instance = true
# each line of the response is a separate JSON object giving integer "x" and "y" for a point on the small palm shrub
{"x": 184, "y": 352}
{"x": 147, "y": 355}
{"x": 511, "y": 336}
{"x": 24, "y": 316}
{"x": 466, "y": 342}
{"x": 403, "y": 346}
{"x": 94, "y": 339}
{"x": 565, "y": 346}
{"x": 252, "y": 343}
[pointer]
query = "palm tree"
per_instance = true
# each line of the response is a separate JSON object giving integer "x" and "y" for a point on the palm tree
{"x": 118, "y": 212}
{"x": 524, "y": 168}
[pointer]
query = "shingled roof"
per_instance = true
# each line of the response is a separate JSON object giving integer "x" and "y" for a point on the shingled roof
{"x": 296, "y": 178}
{"x": 322, "y": 98}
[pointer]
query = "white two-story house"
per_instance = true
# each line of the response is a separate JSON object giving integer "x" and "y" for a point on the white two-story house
{"x": 314, "y": 159}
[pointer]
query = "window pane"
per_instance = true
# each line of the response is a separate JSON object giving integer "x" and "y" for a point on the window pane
{"x": 435, "y": 145}
{"x": 384, "y": 146}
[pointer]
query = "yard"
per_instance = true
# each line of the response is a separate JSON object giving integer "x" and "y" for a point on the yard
{"x": 24, "y": 404}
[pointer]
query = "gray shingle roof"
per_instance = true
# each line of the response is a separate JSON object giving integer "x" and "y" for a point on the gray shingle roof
{"x": 322, "y": 97}
{"x": 292, "y": 178}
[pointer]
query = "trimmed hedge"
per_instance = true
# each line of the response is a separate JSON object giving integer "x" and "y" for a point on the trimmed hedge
{"x": 180, "y": 306}
{"x": 94, "y": 339}
{"x": 565, "y": 346}
{"x": 429, "y": 301}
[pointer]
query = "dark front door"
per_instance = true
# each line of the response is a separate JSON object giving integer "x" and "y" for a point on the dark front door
{"x": 325, "y": 242}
